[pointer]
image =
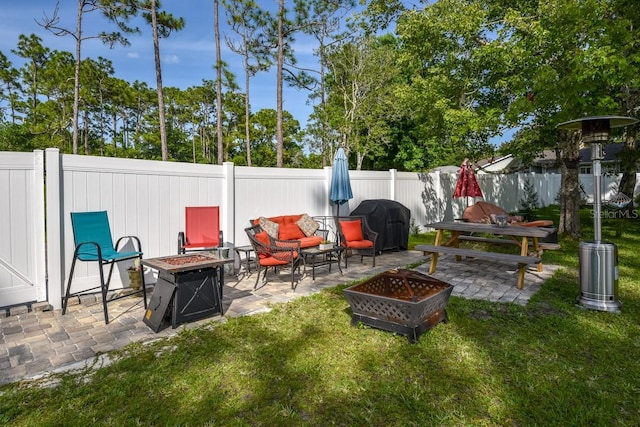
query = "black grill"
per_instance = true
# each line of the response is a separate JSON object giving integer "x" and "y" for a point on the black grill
{"x": 389, "y": 219}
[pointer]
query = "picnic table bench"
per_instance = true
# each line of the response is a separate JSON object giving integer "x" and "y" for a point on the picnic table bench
{"x": 514, "y": 234}
{"x": 522, "y": 261}
{"x": 482, "y": 239}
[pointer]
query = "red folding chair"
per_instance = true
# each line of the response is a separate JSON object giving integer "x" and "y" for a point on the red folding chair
{"x": 202, "y": 229}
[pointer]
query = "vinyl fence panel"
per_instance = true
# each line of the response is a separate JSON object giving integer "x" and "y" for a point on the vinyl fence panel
{"x": 22, "y": 251}
{"x": 147, "y": 199}
{"x": 272, "y": 192}
{"x": 142, "y": 198}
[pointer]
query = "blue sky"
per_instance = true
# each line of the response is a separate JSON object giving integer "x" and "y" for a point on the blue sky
{"x": 187, "y": 56}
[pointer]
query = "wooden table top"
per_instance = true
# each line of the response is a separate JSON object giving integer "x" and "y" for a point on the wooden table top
{"x": 478, "y": 227}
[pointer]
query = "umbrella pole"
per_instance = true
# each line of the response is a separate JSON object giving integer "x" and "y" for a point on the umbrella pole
{"x": 336, "y": 224}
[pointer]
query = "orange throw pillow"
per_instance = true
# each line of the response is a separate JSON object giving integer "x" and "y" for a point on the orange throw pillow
{"x": 263, "y": 237}
{"x": 352, "y": 230}
{"x": 290, "y": 232}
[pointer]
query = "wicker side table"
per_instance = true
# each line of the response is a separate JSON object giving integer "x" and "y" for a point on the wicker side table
{"x": 245, "y": 256}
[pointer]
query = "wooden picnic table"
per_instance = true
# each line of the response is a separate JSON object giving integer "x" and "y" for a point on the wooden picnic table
{"x": 520, "y": 235}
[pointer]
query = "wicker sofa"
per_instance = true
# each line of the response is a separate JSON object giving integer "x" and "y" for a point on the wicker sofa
{"x": 301, "y": 228}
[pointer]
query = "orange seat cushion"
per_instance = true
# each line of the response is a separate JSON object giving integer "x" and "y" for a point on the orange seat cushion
{"x": 352, "y": 230}
{"x": 359, "y": 244}
{"x": 309, "y": 242}
{"x": 285, "y": 256}
{"x": 272, "y": 261}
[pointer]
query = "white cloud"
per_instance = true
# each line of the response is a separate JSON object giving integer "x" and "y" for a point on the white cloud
{"x": 171, "y": 59}
{"x": 133, "y": 55}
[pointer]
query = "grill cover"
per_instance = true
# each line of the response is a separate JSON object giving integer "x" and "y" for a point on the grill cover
{"x": 389, "y": 219}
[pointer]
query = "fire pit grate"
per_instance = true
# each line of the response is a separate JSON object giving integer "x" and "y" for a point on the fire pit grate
{"x": 189, "y": 259}
{"x": 402, "y": 301}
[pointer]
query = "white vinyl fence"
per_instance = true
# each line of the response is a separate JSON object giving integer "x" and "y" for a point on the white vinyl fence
{"x": 147, "y": 199}
{"x": 22, "y": 213}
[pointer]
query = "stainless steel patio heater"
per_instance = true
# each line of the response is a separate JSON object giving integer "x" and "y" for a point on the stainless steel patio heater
{"x": 598, "y": 260}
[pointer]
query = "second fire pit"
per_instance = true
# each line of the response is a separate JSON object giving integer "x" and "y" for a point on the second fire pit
{"x": 402, "y": 301}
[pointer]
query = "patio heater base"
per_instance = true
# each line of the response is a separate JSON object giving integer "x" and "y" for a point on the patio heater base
{"x": 599, "y": 277}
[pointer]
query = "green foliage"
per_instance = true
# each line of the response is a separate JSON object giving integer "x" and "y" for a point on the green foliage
{"x": 14, "y": 137}
{"x": 529, "y": 202}
{"x": 448, "y": 96}
{"x": 414, "y": 228}
{"x": 360, "y": 103}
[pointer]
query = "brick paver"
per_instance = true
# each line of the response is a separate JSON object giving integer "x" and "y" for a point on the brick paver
{"x": 39, "y": 342}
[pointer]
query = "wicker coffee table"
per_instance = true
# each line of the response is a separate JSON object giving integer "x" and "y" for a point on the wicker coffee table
{"x": 316, "y": 257}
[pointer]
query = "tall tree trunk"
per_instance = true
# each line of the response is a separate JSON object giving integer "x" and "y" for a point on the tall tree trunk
{"x": 12, "y": 106}
{"x": 194, "y": 134}
{"x": 629, "y": 167}
{"x": 569, "y": 186}
{"x": 247, "y": 107}
{"x": 156, "y": 55}
{"x": 323, "y": 108}
{"x": 34, "y": 95}
{"x": 85, "y": 137}
{"x": 203, "y": 150}
{"x": 101, "y": 102}
{"x": 114, "y": 130}
{"x": 218, "y": 84}
{"x": 279, "y": 77}
{"x": 76, "y": 79}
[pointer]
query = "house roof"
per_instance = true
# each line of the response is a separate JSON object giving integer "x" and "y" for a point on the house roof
{"x": 446, "y": 169}
{"x": 497, "y": 165}
{"x": 547, "y": 159}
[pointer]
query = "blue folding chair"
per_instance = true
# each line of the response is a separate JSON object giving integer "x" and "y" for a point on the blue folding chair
{"x": 92, "y": 237}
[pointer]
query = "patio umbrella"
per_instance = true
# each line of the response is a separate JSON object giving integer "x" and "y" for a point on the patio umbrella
{"x": 467, "y": 184}
{"x": 340, "y": 191}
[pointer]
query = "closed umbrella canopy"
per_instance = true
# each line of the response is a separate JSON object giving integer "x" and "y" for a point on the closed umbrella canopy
{"x": 340, "y": 191}
{"x": 467, "y": 184}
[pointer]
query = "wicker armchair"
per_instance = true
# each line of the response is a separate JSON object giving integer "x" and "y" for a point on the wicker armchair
{"x": 274, "y": 253}
{"x": 355, "y": 235}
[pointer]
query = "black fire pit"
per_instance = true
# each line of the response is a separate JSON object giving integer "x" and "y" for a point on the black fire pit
{"x": 402, "y": 301}
{"x": 189, "y": 287}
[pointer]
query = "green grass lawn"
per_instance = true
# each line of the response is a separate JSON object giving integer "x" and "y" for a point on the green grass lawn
{"x": 547, "y": 364}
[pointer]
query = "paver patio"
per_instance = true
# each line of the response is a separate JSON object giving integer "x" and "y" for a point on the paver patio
{"x": 40, "y": 342}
